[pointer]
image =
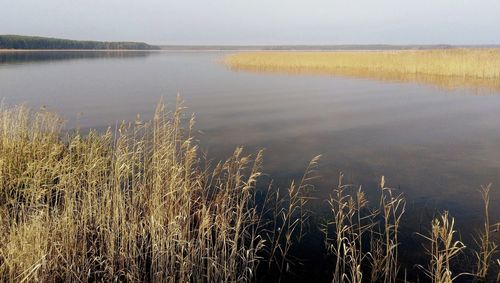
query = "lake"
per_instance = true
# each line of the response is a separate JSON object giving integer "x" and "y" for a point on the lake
{"x": 436, "y": 145}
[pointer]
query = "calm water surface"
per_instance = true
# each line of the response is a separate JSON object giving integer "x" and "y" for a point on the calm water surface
{"x": 437, "y": 146}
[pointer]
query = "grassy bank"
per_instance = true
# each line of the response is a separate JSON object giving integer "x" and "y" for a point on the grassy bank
{"x": 476, "y": 67}
{"x": 138, "y": 203}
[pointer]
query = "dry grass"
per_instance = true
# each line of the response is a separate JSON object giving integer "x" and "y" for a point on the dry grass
{"x": 449, "y": 68}
{"x": 363, "y": 237}
{"x": 135, "y": 204}
{"x": 443, "y": 248}
{"x": 130, "y": 204}
{"x": 486, "y": 243}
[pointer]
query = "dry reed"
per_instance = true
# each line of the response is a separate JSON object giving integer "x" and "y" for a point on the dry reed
{"x": 487, "y": 247}
{"x": 447, "y": 68}
{"x": 135, "y": 204}
{"x": 357, "y": 227}
{"x": 130, "y": 204}
{"x": 443, "y": 248}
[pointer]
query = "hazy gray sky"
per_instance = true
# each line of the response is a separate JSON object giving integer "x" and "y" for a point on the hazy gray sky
{"x": 258, "y": 21}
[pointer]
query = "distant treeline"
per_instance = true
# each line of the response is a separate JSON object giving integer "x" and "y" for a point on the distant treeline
{"x": 35, "y": 42}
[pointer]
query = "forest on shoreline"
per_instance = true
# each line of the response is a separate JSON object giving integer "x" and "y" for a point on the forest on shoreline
{"x": 36, "y": 42}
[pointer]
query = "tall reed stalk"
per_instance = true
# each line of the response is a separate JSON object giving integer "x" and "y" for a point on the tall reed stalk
{"x": 443, "y": 248}
{"x": 485, "y": 241}
{"x": 363, "y": 238}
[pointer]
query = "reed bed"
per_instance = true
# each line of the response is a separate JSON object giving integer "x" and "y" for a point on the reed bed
{"x": 137, "y": 204}
{"x": 447, "y": 68}
{"x": 131, "y": 204}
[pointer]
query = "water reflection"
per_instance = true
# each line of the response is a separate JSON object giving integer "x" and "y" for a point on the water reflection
{"x": 19, "y": 57}
{"x": 475, "y": 86}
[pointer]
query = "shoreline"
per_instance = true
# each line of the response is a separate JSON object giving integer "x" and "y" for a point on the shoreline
{"x": 221, "y": 50}
{"x": 68, "y": 50}
{"x": 131, "y": 50}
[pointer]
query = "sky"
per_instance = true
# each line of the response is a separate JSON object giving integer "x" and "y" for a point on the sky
{"x": 258, "y": 22}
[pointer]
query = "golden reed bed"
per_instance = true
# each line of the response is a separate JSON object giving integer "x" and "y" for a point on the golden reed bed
{"x": 137, "y": 204}
{"x": 477, "y": 69}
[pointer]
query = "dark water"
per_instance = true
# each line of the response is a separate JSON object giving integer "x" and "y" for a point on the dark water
{"x": 437, "y": 146}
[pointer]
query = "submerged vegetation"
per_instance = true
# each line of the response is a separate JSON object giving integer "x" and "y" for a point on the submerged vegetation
{"x": 137, "y": 203}
{"x": 477, "y": 68}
